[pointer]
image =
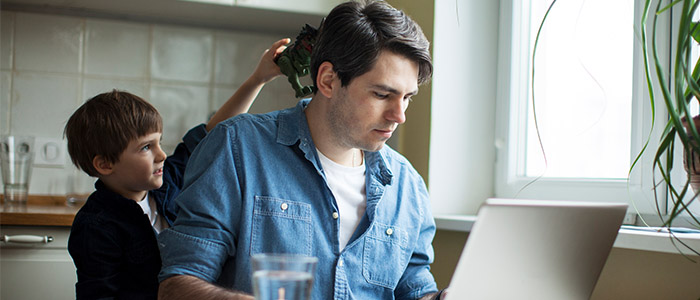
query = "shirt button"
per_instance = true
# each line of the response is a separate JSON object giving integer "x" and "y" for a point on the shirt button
{"x": 335, "y": 215}
{"x": 284, "y": 206}
{"x": 340, "y": 263}
{"x": 389, "y": 231}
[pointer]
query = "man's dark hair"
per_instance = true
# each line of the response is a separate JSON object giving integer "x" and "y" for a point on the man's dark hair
{"x": 105, "y": 124}
{"x": 354, "y": 33}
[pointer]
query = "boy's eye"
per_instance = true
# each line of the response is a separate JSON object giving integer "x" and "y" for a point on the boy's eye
{"x": 146, "y": 147}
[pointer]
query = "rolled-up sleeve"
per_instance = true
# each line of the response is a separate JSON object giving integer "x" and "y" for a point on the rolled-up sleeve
{"x": 204, "y": 233}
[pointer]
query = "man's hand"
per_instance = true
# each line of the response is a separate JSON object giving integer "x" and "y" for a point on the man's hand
{"x": 435, "y": 296}
{"x": 189, "y": 287}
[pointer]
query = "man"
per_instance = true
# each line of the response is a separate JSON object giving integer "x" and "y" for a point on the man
{"x": 315, "y": 179}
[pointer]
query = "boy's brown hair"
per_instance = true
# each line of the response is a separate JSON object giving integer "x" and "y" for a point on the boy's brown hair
{"x": 105, "y": 124}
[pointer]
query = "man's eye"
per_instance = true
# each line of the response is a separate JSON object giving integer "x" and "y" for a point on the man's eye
{"x": 381, "y": 96}
{"x": 408, "y": 98}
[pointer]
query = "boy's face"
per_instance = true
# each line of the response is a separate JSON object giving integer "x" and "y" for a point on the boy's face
{"x": 140, "y": 167}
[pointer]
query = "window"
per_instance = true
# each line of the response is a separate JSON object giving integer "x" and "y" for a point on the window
{"x": 583, "y": 90}
{"x": 590, "y": 103}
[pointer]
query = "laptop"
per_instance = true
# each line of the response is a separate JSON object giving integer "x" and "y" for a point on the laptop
{"x": 536, "y": 249}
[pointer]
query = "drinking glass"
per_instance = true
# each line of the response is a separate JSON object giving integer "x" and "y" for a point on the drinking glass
{"x": 283, "y": 276}
{"x": 16, "y": 158}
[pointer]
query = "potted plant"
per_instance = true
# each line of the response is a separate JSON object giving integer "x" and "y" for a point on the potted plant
{"x": 678, "y": 86}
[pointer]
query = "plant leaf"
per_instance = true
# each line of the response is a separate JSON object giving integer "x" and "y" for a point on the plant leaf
{"x": 695, "y": 26}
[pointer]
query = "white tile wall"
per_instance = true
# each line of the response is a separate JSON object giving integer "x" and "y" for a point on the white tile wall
{"x": 79, "y": 183}
{"x": 181, "y": 54}
{"x": 48, "y": 43}
{"x": 7, "y": 28}
{"x": 41, "y": 103}
{"x": 182, "y": 107}
{"x": 5, "y": 83}
{"x": 50, "y": 181}
{"x": 232, "y": 56}
{"x": 61, "y": 61}
{"x": 221, "y": 94}
{"x": 277, "y": 94}
{"x": 94, "y": 86}
{"x": 116, "y": 48}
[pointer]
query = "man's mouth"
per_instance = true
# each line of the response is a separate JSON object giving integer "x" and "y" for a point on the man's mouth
{"x": 385, "y": 132}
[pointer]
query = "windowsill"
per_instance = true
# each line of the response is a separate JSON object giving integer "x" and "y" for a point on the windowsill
{"x": 627, "y": 238}
{"x": 462, "y": 223}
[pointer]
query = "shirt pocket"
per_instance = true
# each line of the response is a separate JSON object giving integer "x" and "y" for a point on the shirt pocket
{"x": 281, "y": 226}
{"x": 384, "y": 256}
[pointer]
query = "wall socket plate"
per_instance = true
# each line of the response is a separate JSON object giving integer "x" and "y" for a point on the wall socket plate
{"x": 50, "y": 152}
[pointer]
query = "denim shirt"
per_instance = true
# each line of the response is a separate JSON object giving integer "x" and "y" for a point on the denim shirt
{"x": 112, "y": 243}
{"x": 255, "y": 185}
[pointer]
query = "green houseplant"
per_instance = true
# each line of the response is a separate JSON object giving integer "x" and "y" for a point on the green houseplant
{"x": 678, "y": 85}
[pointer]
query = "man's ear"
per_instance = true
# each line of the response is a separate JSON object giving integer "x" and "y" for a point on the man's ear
{"x": 102, "y": 166}
{"x": 325, "y": 78}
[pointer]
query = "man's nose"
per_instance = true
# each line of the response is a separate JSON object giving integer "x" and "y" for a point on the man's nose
{"x": 397, "y": 111}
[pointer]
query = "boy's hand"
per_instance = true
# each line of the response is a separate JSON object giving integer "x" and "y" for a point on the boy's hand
{"x": 267, "y": 69}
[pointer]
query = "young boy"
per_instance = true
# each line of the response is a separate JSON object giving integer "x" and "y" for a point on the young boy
{"x": 115, "y": 137}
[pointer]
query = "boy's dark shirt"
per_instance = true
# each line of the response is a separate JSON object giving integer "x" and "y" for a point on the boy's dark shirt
{"x": 112, "y": 242}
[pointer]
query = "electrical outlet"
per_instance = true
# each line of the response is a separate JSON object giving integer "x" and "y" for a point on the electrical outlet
{"x": 49, "y": 152}
{"x": 630, "y": 219}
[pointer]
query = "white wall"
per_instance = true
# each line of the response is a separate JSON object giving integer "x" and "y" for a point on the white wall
{"x": 51, "y": 64}
{"x": 463, "y": 104}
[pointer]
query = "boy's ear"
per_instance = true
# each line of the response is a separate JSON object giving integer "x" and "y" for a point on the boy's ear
{"x": 324, "y": 79}
{"x": 102, "y": 166}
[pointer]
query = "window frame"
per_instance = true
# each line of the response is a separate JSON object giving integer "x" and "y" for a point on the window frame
{"x": 514, "y": 84}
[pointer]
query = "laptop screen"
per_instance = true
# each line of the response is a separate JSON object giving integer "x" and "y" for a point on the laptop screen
{"x": 536, "y": 249}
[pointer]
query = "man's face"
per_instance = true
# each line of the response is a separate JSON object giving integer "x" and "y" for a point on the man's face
{"x": 365, "y": 113}
{"x": 140, "y": 167}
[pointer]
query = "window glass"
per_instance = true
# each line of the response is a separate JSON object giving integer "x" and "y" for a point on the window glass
{"x": 591, "y": 104}
{"x": 583, "y": 90}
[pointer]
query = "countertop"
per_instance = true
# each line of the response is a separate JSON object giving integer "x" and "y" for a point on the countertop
{"x": 40, "y": 211}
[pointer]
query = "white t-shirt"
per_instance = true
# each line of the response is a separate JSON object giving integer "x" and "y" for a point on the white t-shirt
{"x": 149, "y": 209}
{"x": 348, "y": 187}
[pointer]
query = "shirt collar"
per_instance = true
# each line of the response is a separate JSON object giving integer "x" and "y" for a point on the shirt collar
{"x": 377, "y": 161}
{"x": 104, "y": 194}
{"x": 293, "y": 127}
